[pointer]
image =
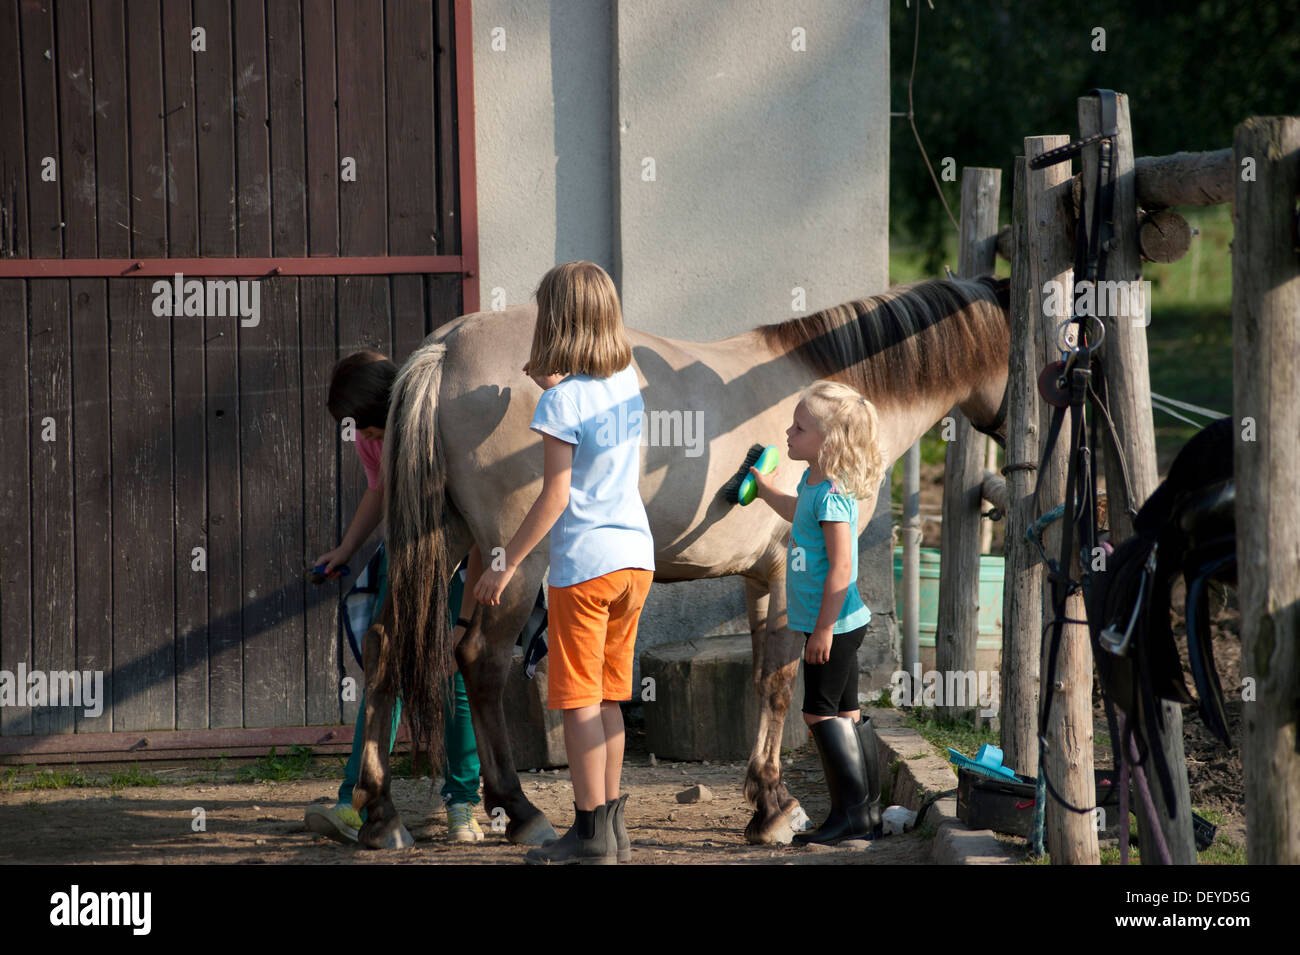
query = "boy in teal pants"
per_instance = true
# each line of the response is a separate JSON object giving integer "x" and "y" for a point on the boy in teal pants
{"x": 360, "y": 387}
{"x": 461, "y": 772}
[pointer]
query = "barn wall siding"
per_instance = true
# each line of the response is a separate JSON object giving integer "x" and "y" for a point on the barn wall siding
{"x": 128, "y": 440}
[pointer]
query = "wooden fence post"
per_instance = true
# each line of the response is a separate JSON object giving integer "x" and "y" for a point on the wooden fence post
{"x": 957, "y": 628}
{"x": 1022, "y": 593}
{"x": 1266, "y": 412}
{"x": 1128, "y": 386}
{"x": 911, "y": 561}
{"x": 1071, "y": 837}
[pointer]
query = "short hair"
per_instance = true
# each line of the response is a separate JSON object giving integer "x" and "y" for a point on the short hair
{"x": 850, "y": 430}
{"x": 579, "y": 327}
{"x": 360, "y": 386}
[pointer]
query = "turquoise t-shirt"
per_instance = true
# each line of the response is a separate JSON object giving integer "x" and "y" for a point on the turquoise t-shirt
{"x": 807, "y": 563}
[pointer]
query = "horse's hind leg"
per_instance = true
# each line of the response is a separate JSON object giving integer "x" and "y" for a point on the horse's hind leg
{"x": 383, "y": 828}
{"x": 776, "y": 663}
{"x": 484, "y": 656}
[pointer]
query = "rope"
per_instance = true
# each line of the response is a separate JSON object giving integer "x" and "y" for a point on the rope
{"x": 1206, "y": 412}
{"x": 911, "y": 116}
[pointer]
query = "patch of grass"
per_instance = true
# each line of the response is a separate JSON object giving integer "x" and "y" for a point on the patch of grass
{"x": 75, "y": 778}
{"x": 961, "y": 735}
{"x": 125, "y": 778}
{"x": 50, "y": 779}
{"x": 275, "y": 768}
{"x": 884, "y": 701}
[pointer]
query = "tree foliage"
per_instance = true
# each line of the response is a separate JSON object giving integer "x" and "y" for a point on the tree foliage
{"x": 990, "y": 72}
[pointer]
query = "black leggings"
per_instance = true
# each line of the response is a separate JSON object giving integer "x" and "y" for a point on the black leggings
{"x": 831, "y": 688}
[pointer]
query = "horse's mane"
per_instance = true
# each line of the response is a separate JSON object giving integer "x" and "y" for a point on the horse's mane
{"x": 905, "y": 342}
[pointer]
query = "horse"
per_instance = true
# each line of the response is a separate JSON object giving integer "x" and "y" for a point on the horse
{"x": 462, "y": 468}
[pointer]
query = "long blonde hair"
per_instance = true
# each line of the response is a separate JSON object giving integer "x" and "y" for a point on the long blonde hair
{"x": 579, "y": 324}
{"x": 850, "y": 429}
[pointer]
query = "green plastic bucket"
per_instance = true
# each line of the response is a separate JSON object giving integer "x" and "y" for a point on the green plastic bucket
{"x": 990, "y": 597}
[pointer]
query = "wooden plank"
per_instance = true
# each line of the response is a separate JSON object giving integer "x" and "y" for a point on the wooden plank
{"x": 214, "y": 90}
{"x": 410, "y": 320}
{"x": 288, "y": 158}
{"x": 320, "y": 501}
{"x": 289, "y": 237}
{"x": 412, "y": 193}
{"x": 93, "y": 470}
{"x": 15, "y": 493}
{"x": 271, "y": 465}
{"x": 13, "y": 154}
{"x": 1266, "y": 466}
{"x": 224, "y": 528}
{"x": 53, "y": 635}
{"x": 443, "y": 293}
{"x": 446, "y": 157}
{"x": 1022, "y": 596}
{"x": 252, "y": 147}
{"x": 77, "y": 129}
{"x": 180, "y": 169}
{"x": 44, "y": 196}
{"x": 188, "y": 411}
{"x": 361, "y": 128}
{"x": 957, "y": 626}
{"x": 214, "y": 85}
{"x": 272, "y": 696}
{"x": 144, "y": 656}
{"x": 90, "y": 484}
{"x": 321, "y": 127}
{"x": 144, "y": 77}
{"x": 1071, "y": 838}
{"x": 112, "y": 151}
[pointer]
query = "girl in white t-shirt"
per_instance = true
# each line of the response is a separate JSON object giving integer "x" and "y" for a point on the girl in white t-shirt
{"x": 602, "y": 554}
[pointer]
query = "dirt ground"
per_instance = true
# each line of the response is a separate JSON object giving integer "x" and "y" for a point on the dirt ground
{"x": 263, "y": 822}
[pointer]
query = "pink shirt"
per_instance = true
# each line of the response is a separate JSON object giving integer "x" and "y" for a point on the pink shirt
{"x": 371, "y": 453}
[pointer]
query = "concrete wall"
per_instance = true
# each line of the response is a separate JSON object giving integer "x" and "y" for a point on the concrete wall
{"x": 770, "y": 173}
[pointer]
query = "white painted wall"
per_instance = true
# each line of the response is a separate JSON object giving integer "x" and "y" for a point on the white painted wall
{"x": 770, "y": 173}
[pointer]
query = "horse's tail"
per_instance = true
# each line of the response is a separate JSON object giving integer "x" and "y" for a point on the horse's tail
{"x": 416, "y": 659}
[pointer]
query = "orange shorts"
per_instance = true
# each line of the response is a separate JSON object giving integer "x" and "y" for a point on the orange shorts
{"x": 591, "y": 629}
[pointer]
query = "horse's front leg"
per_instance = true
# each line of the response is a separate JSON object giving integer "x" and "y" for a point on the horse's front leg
{"x": 776, "y": 664}
{"x": 383, "y": 828}
{"x": 484, "y": 657}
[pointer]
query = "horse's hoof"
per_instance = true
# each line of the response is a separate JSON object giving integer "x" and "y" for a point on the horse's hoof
{"x": 777, "y": 831}
{"x": 533, "y": 832}
{"x": 392, "y": 835}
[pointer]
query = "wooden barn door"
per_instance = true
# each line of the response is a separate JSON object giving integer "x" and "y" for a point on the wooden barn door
{"x": 164, "y": 480}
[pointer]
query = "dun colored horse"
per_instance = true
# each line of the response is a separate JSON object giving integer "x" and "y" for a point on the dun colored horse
{"x": 463, "y": 467}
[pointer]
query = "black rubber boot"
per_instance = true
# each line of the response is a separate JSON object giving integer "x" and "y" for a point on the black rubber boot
{"x": 846, "y": 777}
{"x": 871, "y": 759}
{"x": 580, "y": 846}
{"x": 621, "y": 841}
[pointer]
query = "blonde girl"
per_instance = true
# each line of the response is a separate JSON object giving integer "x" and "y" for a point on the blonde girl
{"x": 602, "y": 554}
{"x": 835, "y": 430}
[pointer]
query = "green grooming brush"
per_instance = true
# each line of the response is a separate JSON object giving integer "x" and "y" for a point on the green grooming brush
{"x": 741, "y": 489}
